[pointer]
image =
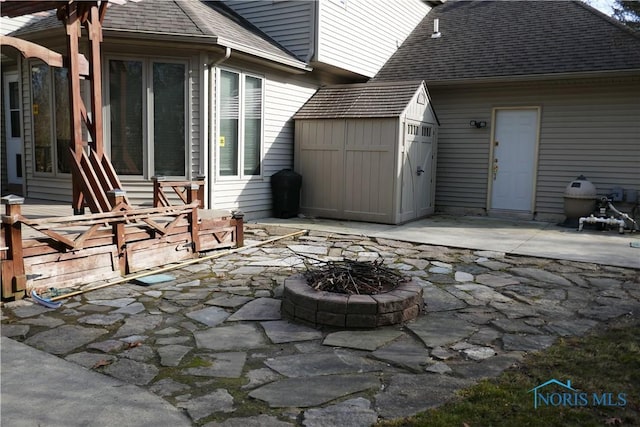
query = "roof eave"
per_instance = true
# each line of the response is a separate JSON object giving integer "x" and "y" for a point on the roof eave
{"x": 278, "y": 61}
{"x": 288, "y": 62}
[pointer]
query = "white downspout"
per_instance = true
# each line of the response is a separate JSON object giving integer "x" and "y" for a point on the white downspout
{"x": 209, "y": 129}
{"x": 314, "y": 32}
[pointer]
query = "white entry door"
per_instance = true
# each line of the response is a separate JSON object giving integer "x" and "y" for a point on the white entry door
{"x": 514, "y": 160}
{"x": 12, "y": 127}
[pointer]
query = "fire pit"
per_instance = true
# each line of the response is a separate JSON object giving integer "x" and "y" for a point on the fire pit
{"x": 351, "y": 294}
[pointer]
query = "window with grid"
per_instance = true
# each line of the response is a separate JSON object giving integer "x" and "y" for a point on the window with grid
{"x": 240, "y": 118}
{"x": 148, "y": 116}
{"x": 51, "y": 119}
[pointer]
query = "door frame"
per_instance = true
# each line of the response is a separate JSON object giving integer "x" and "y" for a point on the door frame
{"x": 494, "y": 116}
{"x": 7, "y": 77}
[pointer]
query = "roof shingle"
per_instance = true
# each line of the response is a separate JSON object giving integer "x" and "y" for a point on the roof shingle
{"x": 205, "y": 19}
{"x": 488, "y": 39}
{"x": 364, "y": 100}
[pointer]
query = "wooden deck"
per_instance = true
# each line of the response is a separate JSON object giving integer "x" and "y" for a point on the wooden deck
{"x": 44, "y": 245}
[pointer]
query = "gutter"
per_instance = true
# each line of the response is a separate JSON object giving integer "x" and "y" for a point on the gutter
{"x": 299, "y": 66}
{"x": 314, "y": 31}
{"x": 293, "y": 63}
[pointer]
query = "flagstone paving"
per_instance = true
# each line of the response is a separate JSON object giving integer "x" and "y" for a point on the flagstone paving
{"x": 213, "y": 343}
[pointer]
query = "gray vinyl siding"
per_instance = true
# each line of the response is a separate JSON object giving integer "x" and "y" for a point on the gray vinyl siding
{"x": 587, "y": 127}
{"x": 283, "y": 97}
{"x": 287, "y": 22}
{"x": 360, "y": 35}
{"x": 8, "y": 25}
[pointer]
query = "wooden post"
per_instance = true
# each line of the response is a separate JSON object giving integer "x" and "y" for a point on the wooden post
{"x": 116, "y": 197}
{"x": 94, "y": 30}
{"x": 238, "y": 216}
{"x": 157, "y": 189}
{"x": 201, "y": 178}
{"x": 14, "y": 280}
{"x": 72, "y": 25}
{"x": 192, "y": 196}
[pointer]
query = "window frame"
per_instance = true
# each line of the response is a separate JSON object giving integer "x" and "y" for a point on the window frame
{"x": 53, "y": 134}
{"x": 241, "y": 175}
{"x": 148, "y": 142}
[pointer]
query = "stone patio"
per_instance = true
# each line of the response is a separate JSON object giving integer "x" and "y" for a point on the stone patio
{"x": 213, "y": 341}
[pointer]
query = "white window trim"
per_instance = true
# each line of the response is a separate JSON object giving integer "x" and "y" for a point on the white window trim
{"x": 147, "y": 113}
{"x": 241, "y": 175}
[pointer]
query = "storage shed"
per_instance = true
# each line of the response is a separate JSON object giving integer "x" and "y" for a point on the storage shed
{"x": 367, "y": 152}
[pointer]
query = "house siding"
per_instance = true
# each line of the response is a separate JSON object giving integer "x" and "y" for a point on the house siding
{"x": 360, "y": 35}
{"x": 8, "y": 25}
{"x": 287, "y": 22}
{"x": 586, "y": 127}
{"x": 282, "y": 99}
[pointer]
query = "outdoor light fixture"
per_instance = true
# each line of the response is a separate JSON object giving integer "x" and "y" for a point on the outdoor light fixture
{"x": 478, "y": 124}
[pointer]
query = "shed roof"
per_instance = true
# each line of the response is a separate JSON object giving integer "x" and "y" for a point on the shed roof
{"x": 204, "y": 21}
{"x": 505, "y": 40}
{"x": 361, "y": 100}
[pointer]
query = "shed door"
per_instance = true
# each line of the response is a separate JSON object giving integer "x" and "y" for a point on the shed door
{"x": 12, "y": 128}
{"x": 514, "y": 160}
{"x": 417, "y": 170}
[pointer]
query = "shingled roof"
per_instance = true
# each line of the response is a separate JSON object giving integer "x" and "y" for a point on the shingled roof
{"x": 502, "y": 39}
{"x": 361, "y": 100}
{"x": 200, "y": 21}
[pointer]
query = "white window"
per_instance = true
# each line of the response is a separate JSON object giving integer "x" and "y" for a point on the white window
{"x": 147, "y": 111}
{"x": 240, "y": 119}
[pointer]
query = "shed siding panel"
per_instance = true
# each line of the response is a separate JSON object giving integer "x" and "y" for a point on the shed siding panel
{"x": 360, "y": 35}
{"x": 287, "y": 22}
{"x": 319, "y": 148}
{"x": 586, "y": 128}
{"x": 369, "y": 159}
{"x": 283, "y": 97}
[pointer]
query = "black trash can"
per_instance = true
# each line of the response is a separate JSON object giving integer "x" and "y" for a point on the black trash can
{"x": 285, "y": 189}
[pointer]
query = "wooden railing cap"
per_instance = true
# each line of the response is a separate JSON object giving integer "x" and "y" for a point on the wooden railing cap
{"x": 117, "y": 192}
{"x": 12, "y": 199}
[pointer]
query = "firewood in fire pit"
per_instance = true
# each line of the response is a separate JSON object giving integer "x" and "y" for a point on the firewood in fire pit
{"x": 353, "y": 277}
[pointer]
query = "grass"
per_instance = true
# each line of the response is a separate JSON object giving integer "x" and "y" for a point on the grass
{"x": 607, "y": 360}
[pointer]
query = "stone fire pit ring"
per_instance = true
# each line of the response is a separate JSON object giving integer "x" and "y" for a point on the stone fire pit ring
{"x": 300, "y": 302}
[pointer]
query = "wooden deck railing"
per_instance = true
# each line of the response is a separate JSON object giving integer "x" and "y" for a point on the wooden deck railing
{"x": 81, "y": 248}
